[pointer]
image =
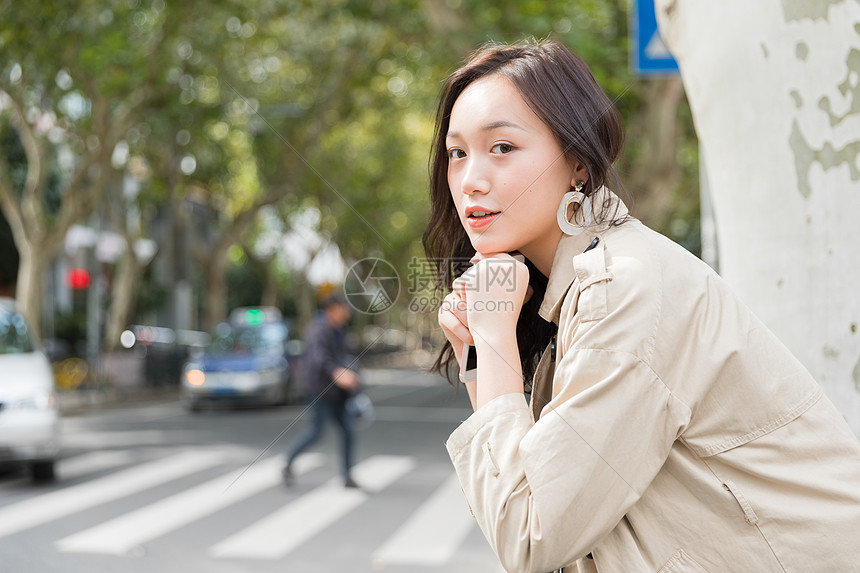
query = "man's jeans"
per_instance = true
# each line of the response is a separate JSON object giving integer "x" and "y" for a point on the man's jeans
{"x": 319, "y": 411}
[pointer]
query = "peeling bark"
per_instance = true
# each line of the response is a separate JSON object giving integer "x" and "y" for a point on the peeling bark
{"x": 774, "y": 87}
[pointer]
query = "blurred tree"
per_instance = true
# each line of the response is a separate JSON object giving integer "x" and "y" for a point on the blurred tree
{"x": 8, "y": 259}
{"x": 338, "y": 122}
{"x": 246, "y": 279}
{"x": 327, "y": 105}
{"x": 71, "y": 104}
{"x": 123, "y": 208}
{"x": 199, "y": 183}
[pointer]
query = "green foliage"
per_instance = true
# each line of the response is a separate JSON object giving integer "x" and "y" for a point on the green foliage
{"x": 151, "y": 297}
{"x": 245, "y": 285}
{"x": 71, "y": 328}
{"x": 325, "y": 103}
{"x": 16, "y": 161}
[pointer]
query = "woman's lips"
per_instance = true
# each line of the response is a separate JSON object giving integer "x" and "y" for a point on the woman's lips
{"x": 478, "y": 222}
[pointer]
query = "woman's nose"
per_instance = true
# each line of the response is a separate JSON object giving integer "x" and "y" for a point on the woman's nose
{"x": 475, "y": 179}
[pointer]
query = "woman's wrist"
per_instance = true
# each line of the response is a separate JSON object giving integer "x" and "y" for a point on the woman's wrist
{"x": 499, "y": 368}
{"x": 495, "y": 337}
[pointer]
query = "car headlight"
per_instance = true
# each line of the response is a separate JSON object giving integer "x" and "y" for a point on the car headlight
{"x": 195, "y": 377}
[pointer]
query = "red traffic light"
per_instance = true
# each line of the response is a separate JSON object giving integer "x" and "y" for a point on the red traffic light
{"x": 79, "y": 279}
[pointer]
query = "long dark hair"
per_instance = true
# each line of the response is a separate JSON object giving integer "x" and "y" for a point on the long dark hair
{"x": 561, "y": 90}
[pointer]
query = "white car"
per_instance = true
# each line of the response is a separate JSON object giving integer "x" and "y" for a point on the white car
{"x": 29, "y": 418}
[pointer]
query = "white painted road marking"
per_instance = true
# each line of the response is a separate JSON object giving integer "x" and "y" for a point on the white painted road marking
{"x": 276, "y": 535}
{"x": 93, "y": 462}
{"x": 119, "y": 536}
{"x": 56, "y": 504}
{"x": 433, "y": 533}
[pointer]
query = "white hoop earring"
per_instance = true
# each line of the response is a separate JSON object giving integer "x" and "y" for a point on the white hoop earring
{"x": 575, "y": 196}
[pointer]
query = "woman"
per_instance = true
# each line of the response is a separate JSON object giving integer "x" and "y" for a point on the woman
{"x": 668, "y": 429}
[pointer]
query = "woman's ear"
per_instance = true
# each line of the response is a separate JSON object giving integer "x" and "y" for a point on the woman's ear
{"x": 580, "y": 173}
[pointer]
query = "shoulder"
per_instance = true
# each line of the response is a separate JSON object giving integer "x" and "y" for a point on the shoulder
{"x": 318, "y": 329}
{"x": 626, "y": 264}
{"x": 622, "y": 287}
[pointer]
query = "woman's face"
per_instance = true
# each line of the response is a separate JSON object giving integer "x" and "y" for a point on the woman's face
{"x": 506, "y": 171}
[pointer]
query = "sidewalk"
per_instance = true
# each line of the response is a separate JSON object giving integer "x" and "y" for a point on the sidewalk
{"x": 72, "y": 402}
{"x": 380, "y": 370}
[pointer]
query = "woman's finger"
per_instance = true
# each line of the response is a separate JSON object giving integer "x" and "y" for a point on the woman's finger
{"x": 455, "y": 303}
{"x": 529, "y": 292}
{"x": 462, "y": 283}
{"x": 452, "y": 314}
{"x": 454, "y": 327}
{"x": 482, "y": 256}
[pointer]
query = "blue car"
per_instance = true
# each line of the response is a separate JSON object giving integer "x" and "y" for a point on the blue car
{"x": 247, "y": 361}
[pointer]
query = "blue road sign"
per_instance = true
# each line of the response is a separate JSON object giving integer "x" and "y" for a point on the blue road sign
{"x": 650, "y": 55}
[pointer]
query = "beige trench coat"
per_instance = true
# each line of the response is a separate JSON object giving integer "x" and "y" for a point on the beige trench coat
{"x": 672, "y": 433}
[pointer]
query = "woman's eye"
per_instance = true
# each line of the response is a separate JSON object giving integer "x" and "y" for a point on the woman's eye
{"x": 456, "y": 153}
{"x": 502, "y": 148}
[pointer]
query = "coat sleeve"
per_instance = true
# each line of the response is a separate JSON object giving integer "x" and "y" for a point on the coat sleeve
{"x": 544, "y": 493}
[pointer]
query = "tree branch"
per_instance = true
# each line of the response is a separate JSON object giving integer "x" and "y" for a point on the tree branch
{"x": 10, "y": 205}
{"x": 30, "y": 205}
{"x": 36, "y": 164}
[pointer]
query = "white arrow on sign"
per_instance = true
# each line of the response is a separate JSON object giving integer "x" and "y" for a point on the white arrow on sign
{"x": 656, "y": 48}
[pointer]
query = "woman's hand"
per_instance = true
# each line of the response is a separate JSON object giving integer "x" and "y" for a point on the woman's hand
{"x": 494, "y": 290}
{"x": 482, "y": 311}
{"x": 490, "y": 294}
{"x": 454, "y": 322}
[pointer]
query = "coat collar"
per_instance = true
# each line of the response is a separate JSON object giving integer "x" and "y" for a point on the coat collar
{"x": 562, "y": 272}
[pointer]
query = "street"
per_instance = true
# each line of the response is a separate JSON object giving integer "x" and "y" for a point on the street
{"x": 151, "y": 487}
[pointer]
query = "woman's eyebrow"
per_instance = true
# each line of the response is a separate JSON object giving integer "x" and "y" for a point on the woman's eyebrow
{"x": 488, "y": 127}
{"x": 502, "y": 123}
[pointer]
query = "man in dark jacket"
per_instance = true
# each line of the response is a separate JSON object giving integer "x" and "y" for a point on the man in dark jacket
{"x": 329, "y": 384}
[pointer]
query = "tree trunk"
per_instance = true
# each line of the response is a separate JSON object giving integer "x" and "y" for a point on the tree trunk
{"x": 215, "y": 260}
{"x": 775, "y": 96}
{"x": 270, "y": 295}
{"x": 36, "y": 238}
{"x": 216, "y": 289}
{"x": 271, "y": 290}
{"x": 305, "y": 304}
{"x": 656, "y": 171}
{"x": 28, "y": 291}
{"x": 123, "y": 297}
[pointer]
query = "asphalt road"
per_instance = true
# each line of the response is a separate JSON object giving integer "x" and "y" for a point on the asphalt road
{"x": 152, "y": 488}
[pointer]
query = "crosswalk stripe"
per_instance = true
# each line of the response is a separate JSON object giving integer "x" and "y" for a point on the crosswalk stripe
{"x": 127, "y": 438}
{"x": 122, "y": 534}
{"x": 277, "y": 534}
{"x": 432, "y": 534}
{"x": 56, "y": 504}
{"x": 82, "y": 465}
{"x": 93, "y": 462}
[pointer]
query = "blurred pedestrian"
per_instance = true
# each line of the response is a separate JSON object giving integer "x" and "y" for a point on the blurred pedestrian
{"x": 329, "y": 381}
{"x": 669, "y": 429}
